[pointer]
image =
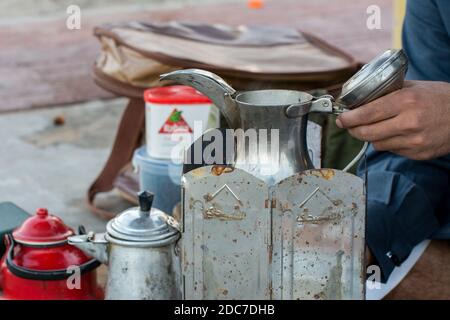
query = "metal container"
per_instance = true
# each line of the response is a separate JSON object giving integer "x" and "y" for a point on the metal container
{"x": 302, "y": 238}
{"x": 297, "y": 233}
{"x": 139, "y": 249}
{"x": 161, "y": 177}
{"x": 40, "y": 265}
{"x": 287, "y": 111}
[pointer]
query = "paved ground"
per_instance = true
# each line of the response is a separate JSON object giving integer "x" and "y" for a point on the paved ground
{"x": 42, "y": 63}
{"x": 43, "y": 165}
{"x": 24, "y": 9}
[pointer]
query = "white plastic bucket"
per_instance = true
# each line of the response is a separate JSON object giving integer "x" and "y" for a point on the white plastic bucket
{"x": 172, "y": 115}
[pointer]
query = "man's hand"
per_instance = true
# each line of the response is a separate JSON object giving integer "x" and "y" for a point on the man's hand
{"x": 413, "y": 122}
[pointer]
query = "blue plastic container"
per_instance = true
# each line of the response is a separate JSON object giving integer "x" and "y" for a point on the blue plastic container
{"x": 162, "y": 177}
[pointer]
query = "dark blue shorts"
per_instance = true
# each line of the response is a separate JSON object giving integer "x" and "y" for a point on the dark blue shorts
{"x": 408, "y": 201}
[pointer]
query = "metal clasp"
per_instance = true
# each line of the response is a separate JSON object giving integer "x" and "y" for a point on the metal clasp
{"x": 322, "y": 104}
{"x": 171, "y": 221}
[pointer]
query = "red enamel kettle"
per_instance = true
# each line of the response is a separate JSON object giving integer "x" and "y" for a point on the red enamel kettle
{"x": 39, "y": 264}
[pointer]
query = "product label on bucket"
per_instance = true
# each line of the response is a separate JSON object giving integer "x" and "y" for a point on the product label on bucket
{"x": 168, "y": 126}
{"x": 175, "y": 123}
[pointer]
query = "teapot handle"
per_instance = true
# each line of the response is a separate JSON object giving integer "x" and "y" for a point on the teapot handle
{"x": 324, "y": 104}
{"x": 31, "y": 274}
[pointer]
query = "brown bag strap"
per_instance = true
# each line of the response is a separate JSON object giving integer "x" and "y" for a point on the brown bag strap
{"x": 128, "y": 138}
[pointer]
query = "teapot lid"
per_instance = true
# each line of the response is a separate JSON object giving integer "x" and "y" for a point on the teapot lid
{"x": 42, "y": 229}
{"x": 144, "y": 224}
{"x": 382, "y": 75}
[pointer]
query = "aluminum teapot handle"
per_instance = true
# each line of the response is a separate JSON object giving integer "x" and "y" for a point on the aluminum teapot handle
{"x": 324, "y": 104}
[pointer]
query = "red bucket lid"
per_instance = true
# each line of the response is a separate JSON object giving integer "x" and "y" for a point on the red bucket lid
{"x": 42, "y": 229}
{"x": 175, "y": 95}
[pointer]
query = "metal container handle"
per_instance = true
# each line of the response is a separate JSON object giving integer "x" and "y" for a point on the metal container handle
{"x": 324, "y": 104}
{"x": 26, "y": 273}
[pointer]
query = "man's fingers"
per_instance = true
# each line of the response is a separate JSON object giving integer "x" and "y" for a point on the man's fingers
{"x": 378, "y": 131}
{"x": 375, "y": 111}
{"x": 409, "y": 84}
{"x": 396, "y": 144}
{"x": 413, "y": 146}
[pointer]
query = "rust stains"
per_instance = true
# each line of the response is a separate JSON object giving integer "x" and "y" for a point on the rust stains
{"x": 217, "y": 170}
{"x": 328, "y": 215}
{"x": 326, "y": 174}
{"x": 215, "y": 213}
{"x": 354, "y": 208}
{"x": 270, "y": 249}
{"x": 274, "y": 203}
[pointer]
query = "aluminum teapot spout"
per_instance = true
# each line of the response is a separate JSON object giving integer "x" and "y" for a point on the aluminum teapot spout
{"x": 94, "y": 245}
{"x": 212, "y": 86}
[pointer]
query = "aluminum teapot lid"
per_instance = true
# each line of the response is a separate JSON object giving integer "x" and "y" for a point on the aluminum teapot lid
{"x": 144, "y": 224}
{"x": 380, "y": 76}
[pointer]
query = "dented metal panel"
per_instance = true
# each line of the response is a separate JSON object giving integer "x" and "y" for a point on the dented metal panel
{"x": 318, "y": 236}
{"x": 226, "y": 235}
{"x": 302, "y": 238}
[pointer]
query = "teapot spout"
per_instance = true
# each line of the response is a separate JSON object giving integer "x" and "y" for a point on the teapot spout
{"x": 94, "y": 245}
{"x": 212, "y": 86}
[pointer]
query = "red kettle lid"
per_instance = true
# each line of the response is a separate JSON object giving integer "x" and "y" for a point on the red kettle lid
{"x": 42, "y": 229}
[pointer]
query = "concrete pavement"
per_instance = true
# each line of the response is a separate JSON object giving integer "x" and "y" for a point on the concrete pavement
{"x": 42, "y": 63}
{"x": 45, "y": 165}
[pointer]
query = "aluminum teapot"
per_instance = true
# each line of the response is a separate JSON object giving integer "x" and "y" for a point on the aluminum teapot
{"x": 287, "y": 110}
{"x": 139, "y": 249}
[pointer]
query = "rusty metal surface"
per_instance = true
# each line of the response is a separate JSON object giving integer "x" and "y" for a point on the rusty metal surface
{"x": 302, "y": 238}
{"x": 226, "y": 235}
{"x": 318, "y": 236}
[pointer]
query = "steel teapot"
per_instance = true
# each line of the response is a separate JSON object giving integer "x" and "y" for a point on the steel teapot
{"x": 139, "y": 249}
{"x": 287, "y": 110}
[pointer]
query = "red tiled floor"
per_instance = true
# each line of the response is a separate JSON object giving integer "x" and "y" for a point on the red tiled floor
{"x": 45, "y": 64}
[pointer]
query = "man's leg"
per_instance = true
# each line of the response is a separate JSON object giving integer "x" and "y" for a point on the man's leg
{"x": 402, "y": 199}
